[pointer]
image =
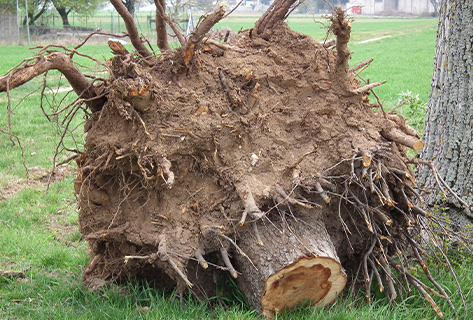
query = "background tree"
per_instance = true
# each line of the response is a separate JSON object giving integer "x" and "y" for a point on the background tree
{"x": 448, "y": 132}
{"x": 35, "y": 9}
{"x": 130, "y": 6}
{"x": 317, "y": 6}
{"x": 82, "y": 7}
{"x": 179, "y": 8}
{"x": 204, "y": 5}
{"x": 436, "y": 4}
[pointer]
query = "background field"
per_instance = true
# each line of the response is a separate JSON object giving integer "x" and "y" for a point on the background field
{"x": 39, "y": 231}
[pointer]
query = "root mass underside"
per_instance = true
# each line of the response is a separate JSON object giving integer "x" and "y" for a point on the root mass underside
{"x": 261, "y": 158}
{"x": 242, "y": 157}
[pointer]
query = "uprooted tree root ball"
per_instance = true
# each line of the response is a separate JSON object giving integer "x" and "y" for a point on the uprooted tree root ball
{"x": 261, "y": 157}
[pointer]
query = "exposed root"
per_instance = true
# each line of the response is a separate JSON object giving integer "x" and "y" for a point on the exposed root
{"x": 402, "y": 138}
{"x": 179, "y": 272}
{"x": 250, "y": 205}
{"x": 278, "y": 11}
{"x": 258, "y": 238}
{"x": 131, "y": 28}
{"x": 322, "y": 192}
{"x": 200, "y": 258}
{"x": 161, "y": 32}
{"x": 200, "y": 32}
{"x": 341, "y": 29}
{"x": 228, "y": 264}
{"x": 58, "y": 61}
{"x": 362, "y": 65}
{"x": 166, "y": 172}
{"x": 374, "y": 176}
{"x": 368, "y": 87}
{"x": 128, "y": 210}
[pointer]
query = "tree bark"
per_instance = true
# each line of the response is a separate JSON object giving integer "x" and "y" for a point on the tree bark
{"x": 33, "y": 17}
{"x": 275, "y": 13}
{"x": 161, "y": 32}
{"x": 448, "y": 133}
{"x": 130, "y": 6}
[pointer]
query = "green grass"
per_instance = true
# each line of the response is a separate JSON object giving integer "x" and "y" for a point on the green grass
{"x": 39, "y": 231}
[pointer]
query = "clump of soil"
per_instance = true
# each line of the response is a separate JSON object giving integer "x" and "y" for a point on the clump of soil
{"x": 249, "y": 153}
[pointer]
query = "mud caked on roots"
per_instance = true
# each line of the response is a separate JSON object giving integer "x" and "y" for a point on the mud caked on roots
{"x": 261, "y": 157}
{"x": 257, "y": 159}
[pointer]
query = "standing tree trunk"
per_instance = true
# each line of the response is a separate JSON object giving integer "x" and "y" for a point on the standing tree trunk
{"x": 64, "y": 13}
{"x": 448, "y": 132}
{"x": 32, "y": 17}
{"x": 436, "y": 4}
{"x": 130, "y": 6}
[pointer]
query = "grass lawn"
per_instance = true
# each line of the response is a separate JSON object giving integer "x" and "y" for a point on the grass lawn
{"x": 39, "y": 231}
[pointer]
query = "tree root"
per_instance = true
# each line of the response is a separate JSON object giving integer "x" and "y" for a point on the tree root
{"x": 362, "y": 65}
{"x": 341, "y": 29}
{"x": 377, "y": 260}
{"x": 226, "y": 260}
{"x": 250, "y": 205}
{"x": 200, "y": 32}
{"x": 401, "y": 138}
{"x": 368, "y": 87}
{"x": 277, "y": 11}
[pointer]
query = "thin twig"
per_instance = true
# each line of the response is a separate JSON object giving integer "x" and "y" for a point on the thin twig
{"x": 226, "y": 260}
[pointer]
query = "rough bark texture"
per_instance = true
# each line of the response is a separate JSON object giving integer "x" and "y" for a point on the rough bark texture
{"x": 277, "y": 12}
{"x": 63, "y": 12}
{"x": 448, "y": 132}
{"x": 130, "y": 6}
{"x": 161, "y": 33}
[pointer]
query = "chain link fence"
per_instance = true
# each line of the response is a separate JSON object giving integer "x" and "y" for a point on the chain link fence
{"x": 49, "y": 27}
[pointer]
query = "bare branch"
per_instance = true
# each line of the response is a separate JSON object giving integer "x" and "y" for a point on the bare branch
{"x": 161, "y": 33}
{"x": 131, "y": 28}
{"x": 275, "y": 13}
{"x": 55, "y": 61}
{"x": 199, "y": 33}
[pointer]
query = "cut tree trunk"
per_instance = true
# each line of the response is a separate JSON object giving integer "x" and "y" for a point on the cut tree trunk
{"x": 293, "y": 265}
